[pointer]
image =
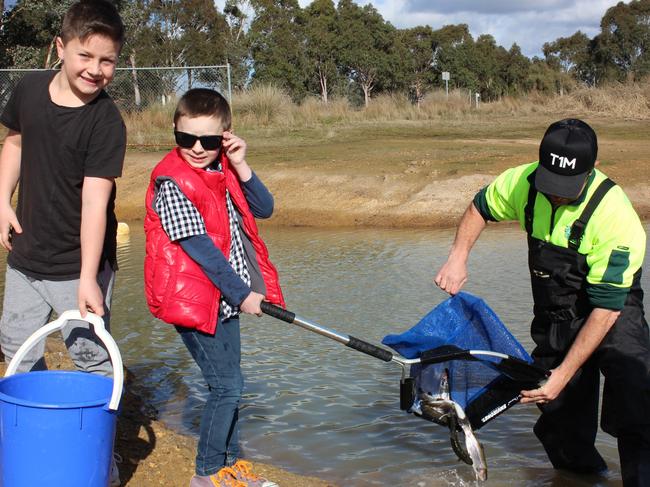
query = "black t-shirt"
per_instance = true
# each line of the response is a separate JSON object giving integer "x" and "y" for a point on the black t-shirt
{"x": 60, "y": 146}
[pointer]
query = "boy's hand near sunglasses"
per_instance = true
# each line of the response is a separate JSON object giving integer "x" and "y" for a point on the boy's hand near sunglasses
{"x": 235, "y": 148}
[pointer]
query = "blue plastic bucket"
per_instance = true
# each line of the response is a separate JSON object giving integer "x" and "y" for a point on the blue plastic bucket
{"x": 57, "y": 427}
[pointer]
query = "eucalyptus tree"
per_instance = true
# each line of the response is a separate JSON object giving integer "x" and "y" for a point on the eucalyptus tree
{"x": 135, "y": 15}
{"x": 545, "y": 77}
{"x": 454, "y": 51}
{"x": 189, "y": 32}
{"x": 368, "y": 52}
{"x": 277, "y": 45}
{"x": 488, "y": 57}
{"x": 237, "y": 41}
{"x": 570, "y": 56}
{"x": 568, "y": 52}
{"x": 322, "y": 45}
{"x": 420, "y": 76}
{"x": 181, "y": 33}
{"x": 623, "y": 44}
{"x": 516, "y": 70}
{"x": 29, "y": 32}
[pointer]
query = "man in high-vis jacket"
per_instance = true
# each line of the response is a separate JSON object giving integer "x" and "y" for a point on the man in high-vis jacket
{"x": 586, "y": 246}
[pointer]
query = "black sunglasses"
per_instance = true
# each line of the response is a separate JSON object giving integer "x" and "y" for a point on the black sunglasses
{"x": 208, "y": 142}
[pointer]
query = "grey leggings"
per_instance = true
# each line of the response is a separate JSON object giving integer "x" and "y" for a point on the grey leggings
{"x": 28, "y": 305}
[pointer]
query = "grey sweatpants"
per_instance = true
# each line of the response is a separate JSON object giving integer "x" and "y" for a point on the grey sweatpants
{"x": 28, "y": 305}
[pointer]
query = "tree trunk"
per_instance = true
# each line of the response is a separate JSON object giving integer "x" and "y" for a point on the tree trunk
{"x": 189, "y": 79}
{"x": 367, "y": 82}
{"x": 136, "y": 86}
{"x": 50, "y": 50}
{"x": 366, "y": 93}
{"x": 418, "y": 93}
{"x": 323, "y": 86}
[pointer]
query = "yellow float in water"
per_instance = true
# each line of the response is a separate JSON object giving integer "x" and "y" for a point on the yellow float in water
{"x": 123, "y": 232}
{"x": 123, "y": 228}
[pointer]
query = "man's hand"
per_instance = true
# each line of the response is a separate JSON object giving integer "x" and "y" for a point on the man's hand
{"x": 8, "y": 223}
{"x": 90, "y": 297}
{"x": 452, "y": 276}
{"x": 596, "y": 327}
{"x": 549, "y": 390}
{"x": 251, "y": 304}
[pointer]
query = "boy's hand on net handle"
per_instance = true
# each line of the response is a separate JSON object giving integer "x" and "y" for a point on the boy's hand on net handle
{"x": 251, "y": 304}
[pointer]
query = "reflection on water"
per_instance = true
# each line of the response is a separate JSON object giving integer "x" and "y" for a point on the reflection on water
{"x": 316, "y": 407}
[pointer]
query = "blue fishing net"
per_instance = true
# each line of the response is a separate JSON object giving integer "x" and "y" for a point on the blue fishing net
{"x": 468, "y": 323}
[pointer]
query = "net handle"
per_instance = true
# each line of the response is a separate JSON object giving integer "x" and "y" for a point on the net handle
{"x": 347, "y": 340}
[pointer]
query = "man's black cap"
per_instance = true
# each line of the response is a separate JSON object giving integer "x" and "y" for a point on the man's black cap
{"x": 567, "y": 155}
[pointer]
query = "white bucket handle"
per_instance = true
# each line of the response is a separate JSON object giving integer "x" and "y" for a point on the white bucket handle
{"x": 100, "y": 331}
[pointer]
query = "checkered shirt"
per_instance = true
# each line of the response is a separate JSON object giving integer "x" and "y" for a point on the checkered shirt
{"x": 178, "y": 216}
{"x": 180, "y": 219}
{"x": 237, "y": 259}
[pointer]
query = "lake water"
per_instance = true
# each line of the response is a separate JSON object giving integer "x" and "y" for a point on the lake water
{"x": 315, "y": 407}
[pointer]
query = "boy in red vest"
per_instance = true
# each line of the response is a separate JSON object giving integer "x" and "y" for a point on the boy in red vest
{"x": 205, "y": 263}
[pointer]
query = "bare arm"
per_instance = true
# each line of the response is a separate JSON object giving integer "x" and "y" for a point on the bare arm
{"x": 9, "y": 175}
{"x": 94, "y": 200}
{"x": 598, "y": 324}
{"x": 453, "y": 274}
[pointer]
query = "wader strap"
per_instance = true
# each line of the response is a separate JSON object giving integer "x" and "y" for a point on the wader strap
{"x": 578, "y": 227}
{"x": 530, "y": 206}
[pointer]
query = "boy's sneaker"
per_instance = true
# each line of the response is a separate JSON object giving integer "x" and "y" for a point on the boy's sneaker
{"x": 244, "y": 473}
{"x": 223, "y": 478}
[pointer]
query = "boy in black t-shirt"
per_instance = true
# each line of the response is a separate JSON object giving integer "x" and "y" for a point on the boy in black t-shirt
{"x": 65, "y": 146}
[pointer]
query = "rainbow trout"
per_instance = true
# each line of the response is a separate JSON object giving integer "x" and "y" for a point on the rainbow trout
{"x": 442, "y": 410}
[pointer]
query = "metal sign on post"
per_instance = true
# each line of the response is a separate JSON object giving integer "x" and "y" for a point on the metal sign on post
{"x": 445, "y": 78}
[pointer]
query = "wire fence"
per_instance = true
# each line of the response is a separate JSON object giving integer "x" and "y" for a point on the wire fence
{"x": 138, "y": 89}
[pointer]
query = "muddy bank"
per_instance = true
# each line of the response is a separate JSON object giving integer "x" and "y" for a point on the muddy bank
{"x": 412, "y": 195}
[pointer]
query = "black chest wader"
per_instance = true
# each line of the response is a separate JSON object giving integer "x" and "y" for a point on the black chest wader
{"x": 568, "y": 425}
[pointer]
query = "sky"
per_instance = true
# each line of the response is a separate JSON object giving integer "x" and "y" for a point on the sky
{"x": 529, "y": 23}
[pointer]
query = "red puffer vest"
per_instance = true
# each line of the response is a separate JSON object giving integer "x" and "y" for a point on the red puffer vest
{"x": 177, "y": 290}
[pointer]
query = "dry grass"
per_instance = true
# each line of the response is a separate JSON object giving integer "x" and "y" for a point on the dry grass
{"x": 267, "y": 107}
{"x": 336, "y": 111}
{"x": 262, "y": 105}
{"x": 629, "y": 101}
{"x": 150, "y": 127}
